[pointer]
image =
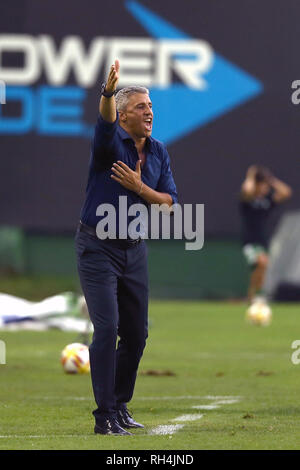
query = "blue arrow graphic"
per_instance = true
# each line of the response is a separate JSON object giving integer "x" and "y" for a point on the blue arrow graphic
{"x": 180, "y": 109}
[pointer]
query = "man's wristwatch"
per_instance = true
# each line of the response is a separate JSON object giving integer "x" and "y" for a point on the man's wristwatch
{"x": 105, "y": 93}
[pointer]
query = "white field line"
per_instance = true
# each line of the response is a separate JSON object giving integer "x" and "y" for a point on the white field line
{"x": 206, "y": 407}
{"x": 227, "y": 402}
{"x": 223, "y": 397}
{"x": 65, "y": 398}
{"x": 218, "y": 401}
{"x": 166, "y": 429}
{"x": 216, "y": 404}
{"x": 169, "y": 429}
{"x": 190, "y": 417}
{"x": 192, "y": 397}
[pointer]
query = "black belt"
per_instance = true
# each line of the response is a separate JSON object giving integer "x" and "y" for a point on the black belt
{"x": 123, "y": 243}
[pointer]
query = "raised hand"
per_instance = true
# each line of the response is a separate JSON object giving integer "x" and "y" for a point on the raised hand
{"x": 251, "y": 172}
{"x": 113, "y": 77}
{"x": 107, "y": 106}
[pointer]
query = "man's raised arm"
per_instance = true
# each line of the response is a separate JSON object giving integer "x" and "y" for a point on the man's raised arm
{"x": 248, "y": 186}
{"x": 282, "y": 191}
{"x": 107, "y": 106}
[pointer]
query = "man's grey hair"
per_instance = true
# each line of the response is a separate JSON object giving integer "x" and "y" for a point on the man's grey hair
{"x": 123, "y": 95}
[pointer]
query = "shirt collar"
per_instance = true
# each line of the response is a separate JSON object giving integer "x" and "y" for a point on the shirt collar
{"x": 125, "y": 136}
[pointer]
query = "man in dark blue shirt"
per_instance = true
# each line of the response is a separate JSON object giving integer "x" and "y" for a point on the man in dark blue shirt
{"x": 125, "y": 161}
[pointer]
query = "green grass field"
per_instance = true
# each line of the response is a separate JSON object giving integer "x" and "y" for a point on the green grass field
{"x": 214, "y": 355}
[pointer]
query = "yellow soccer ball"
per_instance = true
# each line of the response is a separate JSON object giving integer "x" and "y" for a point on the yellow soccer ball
{"x": 75, "y": 359}
{"x": 259, "y": 313}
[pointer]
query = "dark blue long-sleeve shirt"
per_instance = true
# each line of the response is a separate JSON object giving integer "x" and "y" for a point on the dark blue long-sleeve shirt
{"x": 111, "y": 143}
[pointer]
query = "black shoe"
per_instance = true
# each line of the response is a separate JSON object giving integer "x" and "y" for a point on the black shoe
{"x": 125, "y": 420}
{"x": 110, "y": 426}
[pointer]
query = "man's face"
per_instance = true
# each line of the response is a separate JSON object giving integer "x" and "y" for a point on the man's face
{"x": 138, "y": 116}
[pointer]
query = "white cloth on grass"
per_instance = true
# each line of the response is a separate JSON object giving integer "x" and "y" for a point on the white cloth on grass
{"x": 66, "y": 311}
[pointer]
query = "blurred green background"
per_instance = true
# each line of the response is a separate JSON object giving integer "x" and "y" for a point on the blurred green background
{"x": 34, "y": 265}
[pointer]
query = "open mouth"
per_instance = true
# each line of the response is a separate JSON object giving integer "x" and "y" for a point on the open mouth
{"x": 148, "y": 124}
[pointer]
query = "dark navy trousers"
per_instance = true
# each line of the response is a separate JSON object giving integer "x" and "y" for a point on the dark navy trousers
{"x": 114, "y": 281}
